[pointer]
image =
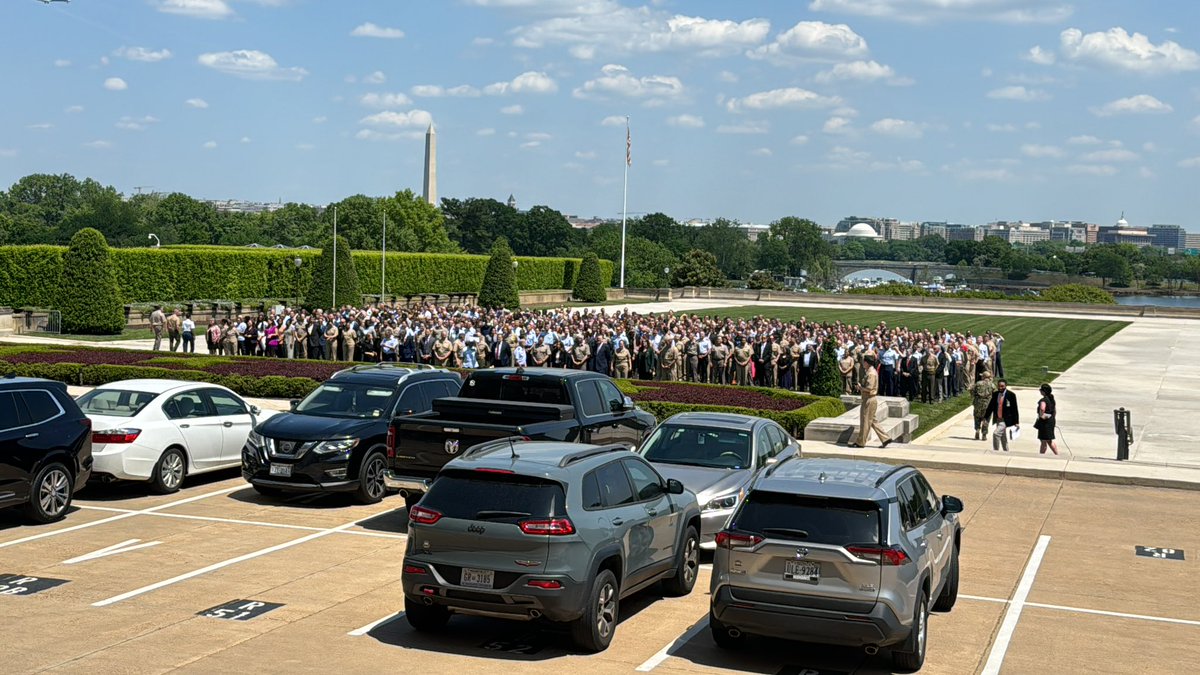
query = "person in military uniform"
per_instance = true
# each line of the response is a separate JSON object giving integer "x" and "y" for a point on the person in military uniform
{"x": 540, "y": 354}
{"x": 718, "y": 362}
{"x": 668, "y": 360}
{"x": 301, "y": 332}
{"x": 229, "y": 337}
{"x": 622, "y": 361}
{"x": 929, "y": 370}
{"x": 174, "y": 325}
{"x": 742, "y": 354}
{"x": 443, "y": 350}
{"x": 772, "y": 364}
{"x": 981, "y": 396}
{"x": 331, "y": 341}
{"x": 349, "y": 342}
{"x": 846, "y": 367}
{"x": 868, "y": 405}
{"x": 691, "y": 359}
{"x": 580, "y": 353}
{"x": 157, "y": 319}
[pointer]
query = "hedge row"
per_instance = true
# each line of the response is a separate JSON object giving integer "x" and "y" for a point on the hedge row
{"x": 272, "y": 386}
{"x": 1078, "y": 293}
{"x": 29, "y": 275}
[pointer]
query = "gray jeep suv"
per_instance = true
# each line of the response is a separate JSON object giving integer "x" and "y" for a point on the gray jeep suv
{"x": 837, "y": 551}
{"x": 547, "y": 530}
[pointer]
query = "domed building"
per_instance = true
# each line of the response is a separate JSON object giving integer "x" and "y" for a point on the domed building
{"x": 1123, "y": 233}
{"x": 860, "y": 231}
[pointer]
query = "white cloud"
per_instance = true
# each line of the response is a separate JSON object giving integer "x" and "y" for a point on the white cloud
{"x": 727, "y": 77}
{"x": 115, "y": 84}
{"x": 1150, "y": 146}
{"x": 1117, "y": 49}
{"x": 686, "y": 121}
{"x": 437, "y": 91}
{"x": 196, "y": 103}
{"x": 514, "y": 109}
{"x": 388, "y": 136}
{"x": 1190, "y": 163}
{"x": 305, "y": 147}
{"x": 376, "y": 77}
{"x": 919, "y": 11}
{"x": 529, "y": 145}
{"x": 143, "y": 54}
{"x": 538, "y": 136}
{"x": 1084, "y": 140}
{"x": 837, "y": 125}
{"x": 861, "y": 71}
{"x": 747, "y": 127}
{"x": 661, "y": 162}
{"x": 1040, "y": 56}
{"x": 62, "y": 63}
{"x": 371, "y": 30}
{"x": 1002, "y": 128}
{"x": 210, "y": 145}
{"x": 812, "y": 39}
{"x": 589, "y": 155}
{"x": 320, "y": 119}
{"x": 98, "y": 145}
{"x": 898, "y": 128}
{"x": 1147, "y": 173}
{"x": 1133, "y": 105}
{"x": 530, "y": 82}
{"x": 1041, "y": 151}
{"x": 613, "y": 121}
{"x": 486, "y": 132}
{"x": 987, "y": 174}
{"x": 200, "y": 9}
{"x": 245, "y": 139}
{"x": 73, "y": 109}
{"x": 250, "y": 64}
{"x": 8, "y": 152}
{"x": 391, "y": 118}
{"x": 788, "y": 97}
{"x": 616, "y": 80}
{"x": 1114, "y": 155}
{"x": 1018, "y": 93}
{"x": 384, "y": 100}
{"x": 1092, "y": 169}
{"x": 799, "y": 140}
{"x": 128, "y": 123}
{"x": 761, "y": 152}
{"x": 40, "y": 126}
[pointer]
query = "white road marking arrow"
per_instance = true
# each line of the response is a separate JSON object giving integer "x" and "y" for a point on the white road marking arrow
{"x": 123, "y": 547}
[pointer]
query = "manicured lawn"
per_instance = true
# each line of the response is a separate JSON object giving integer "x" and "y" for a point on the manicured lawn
{"x": 1030, "y": 343}
{"x": 127, "y": 334}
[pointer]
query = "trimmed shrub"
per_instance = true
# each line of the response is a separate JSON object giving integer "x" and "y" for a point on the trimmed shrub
{"x": 1078, "y": 293}
{"x": 499, "y": 288}
{"x": 588, "y": 286}
{"x": 793, "y": 421}
{"x": 320, "y": 292}
{"x": 827, "y": 381}
{"x": 87, "y": 289}
{"x": 763, "y": 281}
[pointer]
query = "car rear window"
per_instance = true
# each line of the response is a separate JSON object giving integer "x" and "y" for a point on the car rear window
{"x": 520, "y": 388}
{"x": 823, "y": 521}
{"x": 115, "y": 402}
{"x": 497, "y": 497}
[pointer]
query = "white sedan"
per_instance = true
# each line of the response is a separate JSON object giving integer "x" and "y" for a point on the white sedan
{"x": 163, "y": 430}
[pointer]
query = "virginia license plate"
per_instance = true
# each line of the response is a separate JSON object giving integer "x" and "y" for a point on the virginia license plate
{"x": 802, "y": 571}
{"x": 284, "y": 470}
{"x": 477, "y": 578}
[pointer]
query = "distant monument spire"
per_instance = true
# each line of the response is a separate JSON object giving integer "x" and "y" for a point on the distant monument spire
{"x": 430, "y": 190}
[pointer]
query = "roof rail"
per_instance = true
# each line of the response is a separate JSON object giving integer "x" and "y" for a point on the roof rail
{"x": 386, "y": 365}
{"x": 493, "y": 445}
{"x": 567, "y": 460}
{"x": 891, "y": 472}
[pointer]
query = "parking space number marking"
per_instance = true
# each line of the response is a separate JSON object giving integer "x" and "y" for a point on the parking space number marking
{"x": 239, "y": 610}
{"x": 19, "y": 584}
{"x": 1161, "y": 553}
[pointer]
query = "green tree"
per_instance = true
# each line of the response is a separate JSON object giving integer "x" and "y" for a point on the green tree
{"x": 294, "y": 224}
{"x": 89, "y": 298}
{"x": 1112, "y": 267}
{"x": 645, "y": 261}
{"x": 804, "y": 241}
{"x": 119, "y": 220}
{"x": 664, "y": 230}
{"x": 729, "y": 243}
{"x": 697, "y": 268}
{"x": 762, "y": 280}
{"x": 179, "y": 219}
{"x": 589, "y": 287}
{"x": 543, "y": 232}
{"x": 499, "y": 289}
{"x": 359, "y": 220}
{"x": 320, "y": 291}
{"x": 476, "y": 223}
{"x": 772, "y": 254}
{"x": 416, "y": 225}
{"x": 827, "y": 381}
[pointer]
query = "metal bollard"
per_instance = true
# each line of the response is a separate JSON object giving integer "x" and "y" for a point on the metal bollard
{"x": 1123, "y": 425}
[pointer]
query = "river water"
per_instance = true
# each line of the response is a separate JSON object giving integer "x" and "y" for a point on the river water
{"x": 1160, "y": 300}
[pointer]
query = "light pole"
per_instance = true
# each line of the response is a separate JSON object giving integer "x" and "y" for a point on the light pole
{"x": 298, "y": 261}
{"x": 153, "y": 236}
{"x": 383, "y": 262}
{"x": 667, "y": 274}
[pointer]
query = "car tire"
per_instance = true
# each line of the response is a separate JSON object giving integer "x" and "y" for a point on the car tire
{"x": 371, "y": 489}
{"x": 50, "y": 494}
{"x": 688, "y": 567}
{"x": 949, "y": 595}
{"x": 910, "y": 656}
{"x": 721, "y": 636}
{"x": 425, "y": 618}
{"x": 593, "y": 631}
{"x": 272, "y": 492}
{"x": 169, "y": 472}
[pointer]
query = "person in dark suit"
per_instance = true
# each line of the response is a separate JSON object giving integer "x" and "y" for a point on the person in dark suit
{"x": 503, "y": 354}
{"x": 1002, "y": 411}
{"x": 602, "y": 360}
{"x": 808, "y": 367}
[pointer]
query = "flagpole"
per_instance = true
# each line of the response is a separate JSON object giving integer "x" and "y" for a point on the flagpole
{"x": 334, "y": 298}
{"x": 625, "y": 199}
{"x": 383, "y": 262}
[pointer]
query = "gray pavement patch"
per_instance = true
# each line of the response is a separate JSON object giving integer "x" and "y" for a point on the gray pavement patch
{"x": 20, "y": 584}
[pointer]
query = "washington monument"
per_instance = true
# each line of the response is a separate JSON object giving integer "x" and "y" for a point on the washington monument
{"x": 430, "y": 191}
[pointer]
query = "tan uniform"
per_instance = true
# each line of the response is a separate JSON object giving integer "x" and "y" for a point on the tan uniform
{"x": 668, "y": 364}
{"x": 579, "y": 355}
{"x": 868, "y": 408}
{"x": 846, "y": 366}
{"x": 622, "y": 363}
{"x": 442, "y": 351}
{"x": 349, "y": 339}
{"x": 540, "y": 355}
{"x": 741, "y": 365}
{"x": 717, "y": 359}
{"x": 156, "y": 322}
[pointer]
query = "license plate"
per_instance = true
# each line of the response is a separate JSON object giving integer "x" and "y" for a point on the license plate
{"x": 477, "y": 578}
{"x": 802, "y": 571}
{"x": 284, "y": 470}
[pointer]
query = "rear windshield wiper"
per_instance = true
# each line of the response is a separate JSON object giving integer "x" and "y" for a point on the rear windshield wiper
{"x": 492, "y": 515}
{"x": 786, "y": 532}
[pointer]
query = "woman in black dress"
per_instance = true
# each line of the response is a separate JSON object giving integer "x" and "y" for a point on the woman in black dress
{"x": 1047, "y": 412}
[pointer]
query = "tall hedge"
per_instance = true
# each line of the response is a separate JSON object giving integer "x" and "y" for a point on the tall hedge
{"x": 499, "y": 287}
{"x": 88, "y": 296}
{"x": 320, "y": 292}
{"x": 827, "y": 381}
{"x": 589, "y": 287}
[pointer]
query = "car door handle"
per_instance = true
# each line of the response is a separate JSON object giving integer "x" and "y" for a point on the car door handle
{"x": 227, "y": 424}
{"x": 941, "y": 535}
{"x": 923, "y": 543}
{"x": 185, "y": 426}
{"x": 618, "y": 522}
{"x": 651, "y": 511}
{"x": 33, "y": 435}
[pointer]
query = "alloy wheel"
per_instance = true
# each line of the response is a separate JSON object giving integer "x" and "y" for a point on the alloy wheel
{"x": 54, "y": 492}
{"x": 606, "y": 614}
{"x": 691, "y": 560}
{"x": 374, "y": 478}
{"x": 172, "y": 470}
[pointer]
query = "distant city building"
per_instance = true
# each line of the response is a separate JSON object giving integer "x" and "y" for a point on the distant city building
{"x": 586, "y": 223}
{"x": 877, "y": 224}
{"x": 512, "y": 202}
{"x": 1022, "y": 234}
{"x": 1122, "y": 233}
{"x": 243, "y": 206}
{"x": 752, "y": 230}
{"x": 1170, "y": 237}
{"x": 1192, "y": 241}
{"x": 860, "y": 231}
{"x": 895, "y": 230}
{"x": 964, "y": 233}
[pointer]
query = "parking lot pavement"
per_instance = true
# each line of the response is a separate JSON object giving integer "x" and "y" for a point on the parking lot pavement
{"x": 218, "y": 578}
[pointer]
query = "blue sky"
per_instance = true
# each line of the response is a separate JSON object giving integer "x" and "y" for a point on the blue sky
{"x": 961, "y": 110}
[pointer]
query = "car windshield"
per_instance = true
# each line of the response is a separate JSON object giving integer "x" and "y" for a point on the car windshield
{"x": 114, "y": 402}
{"x": 517, "y": 388}
{"x": 823, "y": 521}
{"x": 507, "y": 498}
{"x": 699, "y": 446}
{"x": 346, "y": 399}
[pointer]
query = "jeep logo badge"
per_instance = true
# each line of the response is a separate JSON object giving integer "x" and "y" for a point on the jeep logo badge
{"x": 452, "y": 446}
{"x": 476, "y": 529}
{"x": 801, "y": 553}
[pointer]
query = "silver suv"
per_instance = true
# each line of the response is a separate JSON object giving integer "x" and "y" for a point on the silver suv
{"x": 840, "y": 552}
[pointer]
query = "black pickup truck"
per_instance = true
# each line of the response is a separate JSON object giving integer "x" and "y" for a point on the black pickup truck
{"x": 549, "y": 404}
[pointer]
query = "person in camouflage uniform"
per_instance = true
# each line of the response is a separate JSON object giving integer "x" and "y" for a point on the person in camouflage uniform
{"x": 981, "y": 395}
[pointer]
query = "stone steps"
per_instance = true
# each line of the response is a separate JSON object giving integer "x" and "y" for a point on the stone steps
{"x": 892, "y": 414}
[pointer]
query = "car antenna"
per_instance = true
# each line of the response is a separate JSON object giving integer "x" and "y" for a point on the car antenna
{"x": 513, "y": 448}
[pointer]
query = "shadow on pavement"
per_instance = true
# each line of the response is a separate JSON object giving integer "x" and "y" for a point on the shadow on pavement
{"x": 393, "y": 522}
{"x": 96, "y": 491}
{"x": 12, "y": 518}
{"x": 766, "y": 655}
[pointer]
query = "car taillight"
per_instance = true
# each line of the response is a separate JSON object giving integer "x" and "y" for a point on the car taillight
{"x": 413, "y": 569}
{"x": 504, "y": 471}
{"x": 884, "y": 555}
{"x": 551, "y": 526}
{"x": 547, "y": 584}
{"x": 116, "y": 435}
{"x": 391, "y": 442}
{"x": 424, "y": 516}
{"x": 730, "y": 539}
{"x": 85, "y": 422}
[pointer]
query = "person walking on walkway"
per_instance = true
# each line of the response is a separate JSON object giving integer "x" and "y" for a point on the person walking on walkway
{"x": 1047, "y": 410}
{"x": 1002, "y": 410}
{"x": 189, "y": 335}
{"x": 868, "y": 405}
{"x": 174, "y": 326}
{"x": 157, "y": 319}
{"x": 981, "y": 396}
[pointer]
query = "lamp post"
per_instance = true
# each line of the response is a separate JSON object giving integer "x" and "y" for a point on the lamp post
{"x": 298, "y": 261}
{"x": 153, "y": 236}
{"x": 667, "y": 274}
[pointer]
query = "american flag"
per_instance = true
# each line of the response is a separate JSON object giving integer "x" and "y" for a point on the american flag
{"x": 628, "y": 145}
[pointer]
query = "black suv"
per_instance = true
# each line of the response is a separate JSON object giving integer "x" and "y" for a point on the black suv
{"x": 45, "y": 447}
{"x": 335, "y": 439}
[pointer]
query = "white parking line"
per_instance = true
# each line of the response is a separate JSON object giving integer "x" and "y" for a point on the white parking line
{"x": 1013, "y": 615}
{"x": 153, "y": 509}
{"x": 376, "y": 624}
{"x": 226, "y": 563}
{"x": 656, "y": 660}
{"x": 123, "y": 547}
{"x": 979, "y": 598}
{"x": 1121, "y": 615}
{"x": 258, "y": 523}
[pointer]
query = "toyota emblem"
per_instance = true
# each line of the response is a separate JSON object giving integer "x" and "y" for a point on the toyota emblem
{"x": 452, "y": 446}
{"x": 801, "y": 553}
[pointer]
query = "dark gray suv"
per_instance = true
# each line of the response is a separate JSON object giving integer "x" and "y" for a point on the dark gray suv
{"x": 841, "y": 552}
{"x": 547, "y": 530}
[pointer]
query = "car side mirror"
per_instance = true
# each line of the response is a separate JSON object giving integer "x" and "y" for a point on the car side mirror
{"x": 293, "y": 403}
{"x": 674, "y": 487}
{"x": 627, "y": 404}
{"x": 951, "y": 505}
{"x": 255, "y": 410}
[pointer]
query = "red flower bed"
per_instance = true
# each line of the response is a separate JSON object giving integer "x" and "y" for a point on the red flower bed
{"x": 262, "y": 367}
{"x": 692, "y": 394}
{"x": 87, "y": 357}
